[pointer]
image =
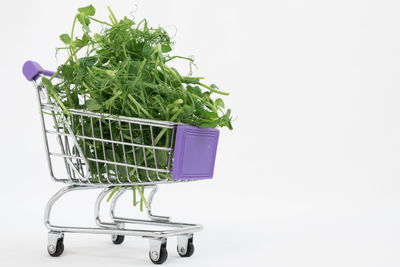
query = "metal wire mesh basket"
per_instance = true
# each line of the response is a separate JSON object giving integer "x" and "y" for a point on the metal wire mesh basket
{"x": 115, "y": 150}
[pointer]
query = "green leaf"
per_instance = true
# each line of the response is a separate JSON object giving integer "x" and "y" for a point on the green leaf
{"x": 65, "y": 38}
{"x": 147, "y": 50}
{"x": 194, "y": 90}
{"x": 87, "y": 61}
{"x": 81, "y": 72}
{"x": 92, "y": 105}
{"x": 67, "y": 72}
{"x": 188, "y": 110}
{"x": 162, "y": 157}
{"x": 137, "y": 139}
{"x": 46, "y": 82}
{"x": 209, "y": 124}
{"x": 83, "y": 20}
{"x": 81, "y": 42}
{"x": 228, "y": 113}
{"x": 87, "y": 10}
{"x": 165, "y": 48}
{"x": 220, "y": 103}
{"x": 110, "y": 101}
{"x": 226, "y": 116}
{"x": 209, "y": 114}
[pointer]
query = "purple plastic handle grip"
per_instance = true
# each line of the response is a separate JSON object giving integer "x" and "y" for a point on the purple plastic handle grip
{"x": 32, "y": 70}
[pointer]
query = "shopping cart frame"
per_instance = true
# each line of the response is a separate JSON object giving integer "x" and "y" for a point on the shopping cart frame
{"x": 79, "y": 176}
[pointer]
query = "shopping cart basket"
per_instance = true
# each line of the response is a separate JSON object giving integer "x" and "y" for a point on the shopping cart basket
{"x": 117, "y": 149}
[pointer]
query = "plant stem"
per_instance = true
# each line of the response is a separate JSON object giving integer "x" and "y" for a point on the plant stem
{"x": 142, "y": 197}
{"x": 139, "y": 106}
{"x": 72, "y": 36}
{"x": 134, "y": 195}
{"x": 162, "y": 132}
{"x": 112, "y": 15}
{"x": 172, "y": 72}
{"x": 213, "y": 90}
{"x": 100, "y": 21}
{"x": 69, "y": 58}
{"x": 187, "y": 58}
{"x": 113, "y": 192}
{"x": 191, "y": 77}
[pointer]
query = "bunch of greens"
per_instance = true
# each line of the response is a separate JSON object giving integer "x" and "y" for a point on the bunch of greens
{"x": 123, "y": 70}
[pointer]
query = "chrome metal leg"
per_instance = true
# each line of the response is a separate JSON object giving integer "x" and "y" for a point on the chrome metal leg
{"x": 149, "y": 201}
{"x": 97, "y": 218}
{"x": 114, "y": 200}
{"x": 181, "y": 228}
{"x": 149, "y": 214}
{"x": 111, "y": 228}
{"x": 53, "y": 200}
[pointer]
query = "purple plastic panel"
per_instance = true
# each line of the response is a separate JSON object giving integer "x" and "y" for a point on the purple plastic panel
{"x": 32, "y": 70}
{"x": 194, "y": 153}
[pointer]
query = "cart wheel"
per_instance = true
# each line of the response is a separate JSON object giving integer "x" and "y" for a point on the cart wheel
{"x": 162, "y": 257}
{"x": 117, "y": 239}
{"x": 57, "y": 250}
{"x": 189, "y": 251}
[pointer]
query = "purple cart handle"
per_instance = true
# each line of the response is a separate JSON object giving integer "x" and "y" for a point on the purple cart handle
{"x": 32, "y": 70}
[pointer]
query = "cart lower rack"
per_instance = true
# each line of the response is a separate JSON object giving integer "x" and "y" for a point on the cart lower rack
{"x": 100, "y": 151}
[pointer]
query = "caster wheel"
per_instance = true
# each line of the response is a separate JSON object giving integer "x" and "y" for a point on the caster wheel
{"x": 159, "y": 259}
{"x": 189, "y": 251}
{"x": 117, "y": 239}
{"x": 57, "y": 250}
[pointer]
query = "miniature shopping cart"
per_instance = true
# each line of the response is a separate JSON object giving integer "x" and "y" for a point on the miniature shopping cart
{"x": 102, "y": 151}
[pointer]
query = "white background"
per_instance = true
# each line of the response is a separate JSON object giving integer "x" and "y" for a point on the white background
{"x": 310, "y": 174}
